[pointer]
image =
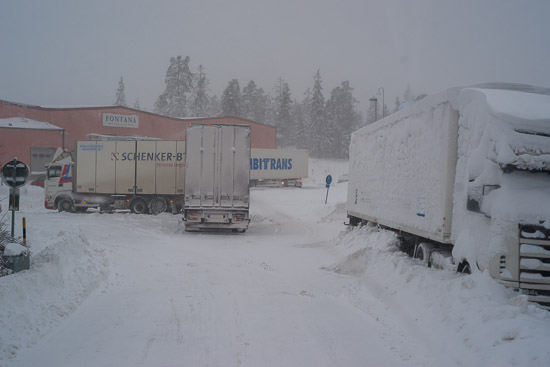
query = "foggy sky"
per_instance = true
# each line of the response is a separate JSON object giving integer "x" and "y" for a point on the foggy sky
{"x": 74, "y": 52}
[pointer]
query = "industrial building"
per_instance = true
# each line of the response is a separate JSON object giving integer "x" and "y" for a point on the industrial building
{"x": 33, "y": 133}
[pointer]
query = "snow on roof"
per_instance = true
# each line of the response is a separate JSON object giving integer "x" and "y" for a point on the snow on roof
{"x": 25, "y": 123}
{"x": 527, "y": 106}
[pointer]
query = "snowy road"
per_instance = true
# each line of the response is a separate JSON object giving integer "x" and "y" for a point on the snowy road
{"x": 298, "y": 289}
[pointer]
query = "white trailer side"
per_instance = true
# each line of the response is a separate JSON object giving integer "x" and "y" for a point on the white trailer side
{"x": 143, "y": 176}
{"x": 402, "y": 171}
{"x": 130, "y": 167}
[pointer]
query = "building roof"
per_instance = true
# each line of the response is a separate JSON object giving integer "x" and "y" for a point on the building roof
{"x": 25, "y": 123}
{"x": 187, "y": 119}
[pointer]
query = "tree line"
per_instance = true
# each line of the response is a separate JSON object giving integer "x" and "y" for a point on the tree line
{"x": 322, "y": 126}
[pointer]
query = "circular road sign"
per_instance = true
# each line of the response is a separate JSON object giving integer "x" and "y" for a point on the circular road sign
{"x": 15, "y": 173}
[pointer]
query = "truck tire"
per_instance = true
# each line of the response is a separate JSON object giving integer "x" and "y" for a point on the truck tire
{"x": 464, "y": 268}
{"x": 423, "y": 253}
{"x": 139, "y": 206}
{"x": 354, "y": 221}
{"x": 157, "y": 205}
{"x": 65, "y": 205}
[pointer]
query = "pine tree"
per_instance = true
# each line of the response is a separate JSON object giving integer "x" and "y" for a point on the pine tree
{"x": 231, "y": 99}
{"x": 282, "y": 115}
{"x": 120, "y": 97}
{"x": 254, "y": 102}
{"x": 302, "y": 116}
{"x": 248, "y": 100}
{"x": 136, "y": 104}
{"x": 343, "y": 119}
{"x": 200, "y": 100}
{"x": 161, "y": 105}
{"x": 299, "y": 113}
{"x": 318, "y": 123}
{"x": 179, "y": 82}
{"x": 215, "y": 106}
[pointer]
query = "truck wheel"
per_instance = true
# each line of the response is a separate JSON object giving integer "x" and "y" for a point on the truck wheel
{"x": 464, "y": 268}
{"x": 423, "y": 253}
{"x": 157, "y": 205}
{"x": 354, "y": 221}
{"x": 138, "y": 206}
{"x": 65, "y": 205}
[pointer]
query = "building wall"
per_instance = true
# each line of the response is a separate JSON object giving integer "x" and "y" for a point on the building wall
{"x": 18, "y": 143}
{"x": 81, "y": 121}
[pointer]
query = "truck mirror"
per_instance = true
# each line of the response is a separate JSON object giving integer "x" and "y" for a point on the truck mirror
{"x": 475, "y": 197}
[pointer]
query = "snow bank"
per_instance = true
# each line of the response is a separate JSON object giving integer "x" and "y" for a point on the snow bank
{"x": 15, "y": 249}
{"x": 470, "y": 313}
{"x": 36, "y": 301}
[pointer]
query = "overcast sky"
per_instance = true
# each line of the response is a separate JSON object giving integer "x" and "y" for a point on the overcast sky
{"x": 74, "y": 52}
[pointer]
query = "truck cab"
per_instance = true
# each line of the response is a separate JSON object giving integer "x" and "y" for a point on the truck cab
{"x": 58, "y": 184}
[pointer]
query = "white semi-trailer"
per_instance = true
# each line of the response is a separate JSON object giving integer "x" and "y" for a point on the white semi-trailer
{"x": 217, "y": 177}
{"x": 278, "y": 167}
{"x": 465, "y": 173}
{"x": 144, "y": 176}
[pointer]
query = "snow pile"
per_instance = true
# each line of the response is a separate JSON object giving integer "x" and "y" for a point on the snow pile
{"x": 453, "y": 313}
{"x": 36, "y": 301}
{"x": 15, "y": 249}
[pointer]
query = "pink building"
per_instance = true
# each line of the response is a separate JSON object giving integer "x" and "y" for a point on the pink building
{"x": 39, "y": 131}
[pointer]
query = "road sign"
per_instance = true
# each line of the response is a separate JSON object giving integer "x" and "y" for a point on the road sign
{"x": 328, "y": 180}
{"x": 15, "y": 173}
{"x": 14, "y": 198}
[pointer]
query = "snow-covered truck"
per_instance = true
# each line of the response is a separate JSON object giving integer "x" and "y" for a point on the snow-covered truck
{"x": 278, "y": 167}
{"x": 217, "y": 177}
{"x": 464, "y": 173}
{"x": 145, "y": 176}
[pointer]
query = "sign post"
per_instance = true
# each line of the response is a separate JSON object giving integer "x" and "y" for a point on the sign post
{"x": 14, "y": 174}
{"x": 328, "y": 181}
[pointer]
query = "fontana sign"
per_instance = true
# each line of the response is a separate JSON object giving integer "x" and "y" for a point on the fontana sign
{"x": 116, "y": 120}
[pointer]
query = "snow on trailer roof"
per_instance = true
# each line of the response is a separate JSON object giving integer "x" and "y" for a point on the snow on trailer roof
{"x": 25, "y": 123}
{"x": 528, "y": 112}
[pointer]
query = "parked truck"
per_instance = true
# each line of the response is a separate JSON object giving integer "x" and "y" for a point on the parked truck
{"x": 464, "y": 175}
{"x": 278, "y": 167}
{"x": 145, "y": 176}
{"x": 217, "y": 177}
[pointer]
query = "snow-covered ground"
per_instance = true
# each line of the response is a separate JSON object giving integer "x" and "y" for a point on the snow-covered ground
{"x": 298, "y": 289}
